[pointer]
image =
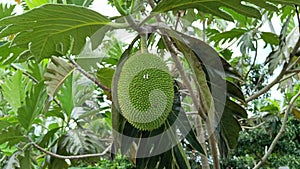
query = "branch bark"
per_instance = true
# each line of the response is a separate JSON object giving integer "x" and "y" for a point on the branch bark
{"x": 68, "y": 157}
{"x": 93, "y": 79}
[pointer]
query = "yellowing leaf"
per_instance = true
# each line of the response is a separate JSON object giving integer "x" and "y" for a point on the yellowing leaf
{"x": 296, "y": 113}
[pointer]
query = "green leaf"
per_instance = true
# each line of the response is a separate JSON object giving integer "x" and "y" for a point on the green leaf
{"x": 13, "y": 90}
{"x": 11, "y": 135}
{"x": 8, "y": 151}
{"x": 114, "y": 50}
{"x": 56, "y": 163}
{"x": 220, "y": 101}
{"x": 6, "y": 10}
{"x": 246, "y": 42}
{"x": 85, "y": 3}
{"x": 81, "y": 141}
{"x": 55, "y": 112}
{"x": 105, "y": 76}
{"x": 165, "y": 160}
{"x": 88, "y": 58}
{"x": 181, "y": 158}
{"x": 57, "y": 72}
{"x": 53, "y": 29}
{"x": 65, "y": 95}
{"x": 270, "y": 38}
{"x": 33, "y": 68}
{"x": 4, "y": 123}
{"x": 228, "y": 36}
{"x": 26, "y": 160}
{"x": 199, "y": 74}
{"x": 235, "y": 91}
{"x": 184, "y": 124}
{"x": 34, "y": 104}
{"x": 35, "y": 3}
{"x": 48, "y": 137}
{"x": 10, "y": 54}
{"x": 213, "y": 7}
{"x": 287, "y": 2}
{"x": 263, "y": 4}
{"x": 235, "y": 109}
{"x": 13, "y": 161}
{"x": 230, "y": 129}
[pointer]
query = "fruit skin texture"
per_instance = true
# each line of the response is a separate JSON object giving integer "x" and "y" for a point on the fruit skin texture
{"x": 145, "y": 91}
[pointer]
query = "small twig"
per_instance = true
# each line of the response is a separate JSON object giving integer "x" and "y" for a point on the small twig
{"x": 25, "y": 73}
{"x": 177, "y": 20}
{"x": 68, "y": 157}
{"x": 287, "y": 77}
{"x": 295, "y": 63}
{"x": 279, "y": 134}
{"x": 86, "y": 74}
{"x": 298, "y": 16}
{"x": 254, "y": 61}
{"x": 254, "y": 127}
{"x": 293, "y": 71}
{"x": 204, "y": 28}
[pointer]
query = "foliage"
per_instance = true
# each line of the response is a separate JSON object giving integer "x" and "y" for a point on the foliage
{"x": 60, "y": 62}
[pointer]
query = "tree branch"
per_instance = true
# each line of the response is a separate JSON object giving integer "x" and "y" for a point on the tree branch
{"x": 286, "y": 66}
{"x": 281, "y": 131}
{"x": 68, "y": 157}
{"x": 93, "y": 79}
{"x": 254, "y": 61}
{"x": 280, "y": 76}
{"x": 293, "y": 71}
{"x": 254, "y": 127}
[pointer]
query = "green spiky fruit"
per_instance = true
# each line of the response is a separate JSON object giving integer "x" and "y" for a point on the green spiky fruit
{"x": 145, "y": 91}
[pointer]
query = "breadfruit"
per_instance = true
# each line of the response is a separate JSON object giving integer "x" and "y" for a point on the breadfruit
{"x": 145, "y": 91}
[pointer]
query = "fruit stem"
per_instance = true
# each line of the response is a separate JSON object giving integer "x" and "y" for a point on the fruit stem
{"x": 143, "y": 42}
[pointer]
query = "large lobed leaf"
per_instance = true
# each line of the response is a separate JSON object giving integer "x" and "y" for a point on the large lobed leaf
{"x": 212, "y": 6}
{"x": 10, "y": 54}
{"x": 228, "y": 36}
{"x": 57, "y": 72}
{"x": 11, "y": 135}
{"x": 6, "y": 10}
{"x": 65, "y": 96}
{"x": 34, "y": 104}
{"x": 226, "y": 111}
{"x": 13, "y": 90}
{"x": 81, "y": 141}
{"x": 53, "y": 29}
{"x": 219, "y": 7}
